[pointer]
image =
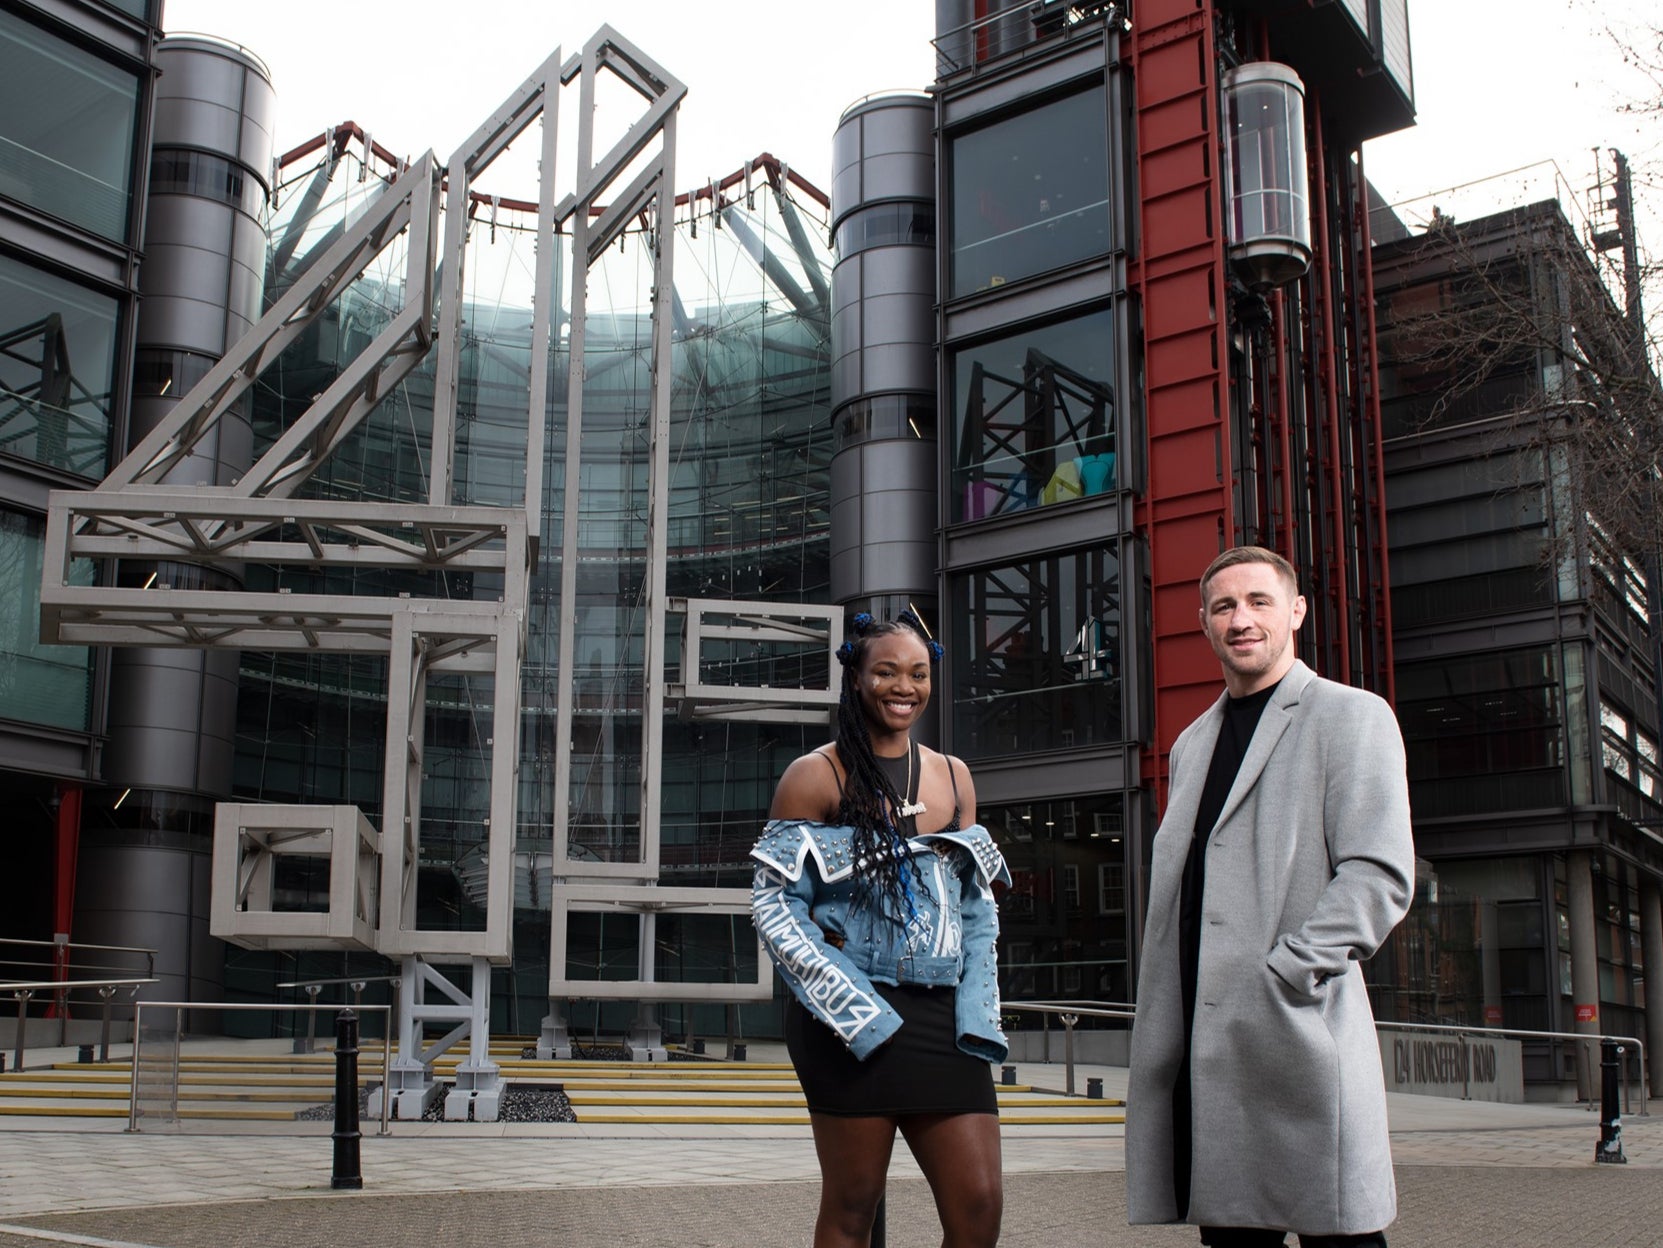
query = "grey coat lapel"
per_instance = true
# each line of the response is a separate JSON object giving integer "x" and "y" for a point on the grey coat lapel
{"x": 1272, "y": 724}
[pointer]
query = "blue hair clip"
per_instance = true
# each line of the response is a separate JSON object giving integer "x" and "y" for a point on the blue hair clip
{"x": 846, "y": 653}
{"x": 936, "y": 650}
{"x": 861, "y": 623}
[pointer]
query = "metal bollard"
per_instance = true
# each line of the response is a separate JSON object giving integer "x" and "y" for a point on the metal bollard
{"x": 1007, "y": 1076}
{"x": 1094, "y": 1088}
{"x": 1610, "y": 1147}
{"x": 347, "y": 1172}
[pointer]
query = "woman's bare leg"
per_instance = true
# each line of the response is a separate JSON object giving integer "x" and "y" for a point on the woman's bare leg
{"x": 854, "y": 1165}
{"x": 959, "y": 1155}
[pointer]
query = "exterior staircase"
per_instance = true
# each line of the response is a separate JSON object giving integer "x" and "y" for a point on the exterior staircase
{"x": 245, "y": 1086}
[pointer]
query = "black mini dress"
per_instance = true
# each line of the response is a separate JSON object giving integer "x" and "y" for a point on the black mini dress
{"x": 921, "y": 1069}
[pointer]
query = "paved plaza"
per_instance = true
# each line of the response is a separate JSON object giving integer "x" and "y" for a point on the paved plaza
{"x": 1471, "y": 1175}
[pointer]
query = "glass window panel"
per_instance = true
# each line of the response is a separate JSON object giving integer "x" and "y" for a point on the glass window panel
{"x": 1053, "y": 933}
{"x": 66, "y": 130}
{"x": 1030, "y": 193}
{"x": 1038, "y": 655}
{"x": 883, "y": 225}
{"x": 1034, "y": 418}
{"x": 1483, "y": 732}
{"x": 39, "y": 684}
{"x": 57, "y": 360}
{"x": 184, "y": 172}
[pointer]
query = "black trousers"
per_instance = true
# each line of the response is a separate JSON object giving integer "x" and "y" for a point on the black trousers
{"x": 1258, "y": 1237}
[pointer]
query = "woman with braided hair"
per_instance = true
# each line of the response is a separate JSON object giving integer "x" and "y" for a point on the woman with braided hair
{"x": 874, "y": 897}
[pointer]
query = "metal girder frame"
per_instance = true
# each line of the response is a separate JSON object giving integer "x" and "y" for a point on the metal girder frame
{"x": 422, "y": 643}
{"x": 130, "y": 516}
{"x": 754, "y": 622}
{"x": 248, "y": 840}
{"x": 652, "y": 191}
{"x": 209, "y": 526}
{"x": 411, "y": 202}
{"x": 648, "y": 901}
{"x": 537, "y": 96}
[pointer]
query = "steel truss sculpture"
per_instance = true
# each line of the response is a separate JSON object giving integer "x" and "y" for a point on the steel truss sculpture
{"x": 135, "y": 522}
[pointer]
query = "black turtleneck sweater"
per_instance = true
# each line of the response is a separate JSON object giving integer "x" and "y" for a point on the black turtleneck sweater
{"x": 1241, "y": 717}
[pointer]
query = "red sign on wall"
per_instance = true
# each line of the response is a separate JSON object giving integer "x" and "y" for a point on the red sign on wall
{"x": 1492, "y": 1016}
{"x": 1587, "y": 1013}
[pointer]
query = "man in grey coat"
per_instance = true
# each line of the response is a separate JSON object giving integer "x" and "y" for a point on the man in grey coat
{"x": 1256, "y": 1104}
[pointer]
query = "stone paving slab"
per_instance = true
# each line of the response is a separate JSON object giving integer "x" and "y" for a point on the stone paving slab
{"x": 1443, "y": 1207}
{"x": 1471, "y": 1175}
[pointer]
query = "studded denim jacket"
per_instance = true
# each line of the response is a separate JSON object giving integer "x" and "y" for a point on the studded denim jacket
{"x": 831, "y": 952}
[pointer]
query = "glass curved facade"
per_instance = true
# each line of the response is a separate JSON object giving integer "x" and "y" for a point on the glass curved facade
{"x": 751, "y": 441}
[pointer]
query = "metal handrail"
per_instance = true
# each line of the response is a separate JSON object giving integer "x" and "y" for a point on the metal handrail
{"x": 24, "y": 989}
{"x": 133, "y": 1087}
{"x": 76, "y": 944}
{"x": 1108, "y": 10}
{"x": 54, "y": 984}
{"x": 1584, "y": 1037}
{"x": 359, "y": 980}
{"x": 312, "y": 987}
{"x": 70, "y": 946}
{"x": 1071, "y": 1013}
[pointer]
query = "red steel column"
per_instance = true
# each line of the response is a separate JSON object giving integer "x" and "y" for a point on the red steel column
{"x": 1185, "y": 513}
{"x": 66, "y": 842}
{"x": 1326, "y": 322}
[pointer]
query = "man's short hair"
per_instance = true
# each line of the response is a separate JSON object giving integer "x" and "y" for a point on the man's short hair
{"x": 1250, "y": 554}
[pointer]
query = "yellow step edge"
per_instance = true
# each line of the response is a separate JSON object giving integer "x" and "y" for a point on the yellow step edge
{"x": 1064, "y": 1120}
{"x": 715, "y": 1102}
{"x": 713, "y": 1120}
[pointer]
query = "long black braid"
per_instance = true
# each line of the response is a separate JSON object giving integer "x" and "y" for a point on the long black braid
{"x": 884, "y": 877}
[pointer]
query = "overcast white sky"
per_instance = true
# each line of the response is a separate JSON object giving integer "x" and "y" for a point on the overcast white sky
{"x": 1499, "y": 83}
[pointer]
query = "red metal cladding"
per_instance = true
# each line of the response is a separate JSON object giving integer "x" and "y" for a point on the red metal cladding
{"x": 1186, "y": 512}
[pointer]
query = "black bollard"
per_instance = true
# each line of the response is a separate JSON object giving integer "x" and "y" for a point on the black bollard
{"x": 1610, "y": 1147}
{"x": 347, "y": 1172}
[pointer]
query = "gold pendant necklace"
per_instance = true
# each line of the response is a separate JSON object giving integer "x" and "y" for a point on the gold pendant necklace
{"x": 910, "y": 808}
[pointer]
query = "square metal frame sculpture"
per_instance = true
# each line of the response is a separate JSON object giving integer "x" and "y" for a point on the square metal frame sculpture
{"x": 250, "y": 838}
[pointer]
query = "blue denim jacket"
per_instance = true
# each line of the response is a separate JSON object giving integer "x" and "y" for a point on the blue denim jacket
{"x": 803, "y": 893}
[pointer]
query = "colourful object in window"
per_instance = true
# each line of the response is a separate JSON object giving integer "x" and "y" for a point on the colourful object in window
{"x": 981, "y": 499}
{"x": 1096, "y": 472}
{"x": 1064, "y": 485}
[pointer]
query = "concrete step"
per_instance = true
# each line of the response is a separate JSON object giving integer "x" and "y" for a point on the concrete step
{"x": 233, "y": 1086}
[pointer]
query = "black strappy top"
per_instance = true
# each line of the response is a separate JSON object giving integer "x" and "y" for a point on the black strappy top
{"x": 895, "y": 770}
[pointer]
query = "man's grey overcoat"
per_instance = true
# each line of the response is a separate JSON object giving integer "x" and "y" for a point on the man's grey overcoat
{"x": 1310, "y": 866}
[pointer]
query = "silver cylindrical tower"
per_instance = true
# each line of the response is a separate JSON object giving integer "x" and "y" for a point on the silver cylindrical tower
{"x": 172, "y": 712}
{"x": 883, "y": 475}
